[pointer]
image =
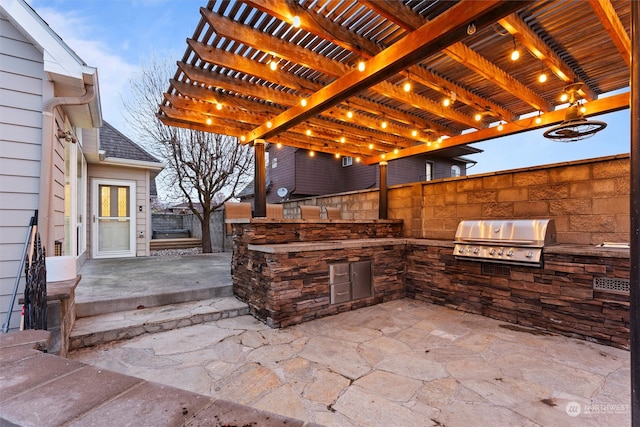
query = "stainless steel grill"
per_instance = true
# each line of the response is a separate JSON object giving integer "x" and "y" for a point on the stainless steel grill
{"x": 510, "y": 241}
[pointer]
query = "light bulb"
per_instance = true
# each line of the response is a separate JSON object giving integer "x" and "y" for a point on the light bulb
{"x": 273, "y": 65}
{"x": 350, "y": 114}
{"x": 478, "y": 117}
{"x": 218, "y": 106}
{"x": 542, "y": 78}
{"x": 296, "y": 21}
{"x": 209, "y": 121}
{"x": 500, "y": 127}
{"x": 269, "y": 124}
{"x": 361, "y": 66}
{"x": 396, "y": 151}
{"x": 312, "y": 153}
{"x": 303, "y": 102}
{"x": 308, "y": 132}
{"x": 414, "y": 133}
{"x": 279, "y": 145}
{"x": 243, "y": 138}
{"x": 370, "y": 146}
{"x": 407, "y": 86}
{"x": 342, "y": 139}
{"x": 515, "y": 55}
{"x": 357, "y": 159}
{"x": 538, "y": 120}
{"x": 446, "y": 102}
{"x": 583, "y": 109}
{"x": 384, "y": 124}
{"x": 564, "y": 97}
{"x": 337, "y": 155}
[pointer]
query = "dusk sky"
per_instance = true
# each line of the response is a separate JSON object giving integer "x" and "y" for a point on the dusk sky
{"x": 116, "y": 36}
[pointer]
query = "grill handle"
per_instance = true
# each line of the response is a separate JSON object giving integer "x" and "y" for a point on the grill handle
{"x": 498, "y": 242}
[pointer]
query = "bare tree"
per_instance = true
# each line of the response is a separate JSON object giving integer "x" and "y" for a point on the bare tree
{"x": 205, "y": 169}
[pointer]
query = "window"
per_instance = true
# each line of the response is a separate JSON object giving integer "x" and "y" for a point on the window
{"x": 347, "y": 161}
{"x": 428, "y": 172}
{"x": 274, "y": 163}
{"x": 455, "y": 171}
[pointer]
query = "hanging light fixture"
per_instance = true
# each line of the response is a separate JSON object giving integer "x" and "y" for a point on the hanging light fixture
{"x": 303, "y": 102}
{"x": 574, "y": 127}
{"x": 312, "y": 153}
{"x": 539, "y": 118}
{"x": 361, "y": 65}
{"x": 296, "y": 22}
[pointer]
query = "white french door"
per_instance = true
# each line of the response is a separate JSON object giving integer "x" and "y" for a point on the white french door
{"x": 114, "y": 219}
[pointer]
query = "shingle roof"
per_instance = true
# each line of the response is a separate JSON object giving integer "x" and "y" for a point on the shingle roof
{"x": 115, "y": 144}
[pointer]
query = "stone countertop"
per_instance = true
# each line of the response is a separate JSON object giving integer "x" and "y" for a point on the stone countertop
{"x": 562, "y": 249}
{"x": 326, "y": 245}
{"x": 588, "y": 250}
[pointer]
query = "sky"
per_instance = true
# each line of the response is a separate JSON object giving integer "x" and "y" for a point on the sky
{"x": 118, "y": 36}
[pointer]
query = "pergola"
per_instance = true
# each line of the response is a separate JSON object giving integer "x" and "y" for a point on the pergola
{"x": 381, "y": 80}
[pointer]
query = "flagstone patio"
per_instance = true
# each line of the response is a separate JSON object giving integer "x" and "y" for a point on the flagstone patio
{"x": 401, "y": 363}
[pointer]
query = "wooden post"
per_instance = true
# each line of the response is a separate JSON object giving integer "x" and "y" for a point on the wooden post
{"x": 260, "y": 182}
{"x": 383, "y": 196}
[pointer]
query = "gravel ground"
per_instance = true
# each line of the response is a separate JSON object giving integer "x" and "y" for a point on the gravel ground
{"x": 174, "y": 252}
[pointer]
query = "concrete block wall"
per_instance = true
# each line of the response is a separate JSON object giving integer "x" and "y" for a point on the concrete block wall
{"x": 588, "y": 199}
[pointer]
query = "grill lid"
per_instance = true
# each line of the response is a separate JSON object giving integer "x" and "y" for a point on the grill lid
{"x": 513, "y": 241}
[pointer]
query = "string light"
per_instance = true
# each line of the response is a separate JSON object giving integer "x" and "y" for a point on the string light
{"x": 303, "y": 102}
{"x": 218, "y": 106}
{"x": 500, "y": 126}
{"x": 342, "y": 139}
{"x": 414, "y": 133}
{"x": 243, "y": 138}
{"x": 308, "y": 132}
{"x": 478, "y": 117}
{"x": 279, "y": 145}
{"x": 384, "y": 124}
{"x": 446, "y": 102}
{"x": 515, "y": 54}
{"x": 337, "y": 155}
{"x": 539, "y": 119}
{"x": 269, "y": 124}
{"x": 370, "y": 146}
{"x": 209, "y": 121}
{"x": 564, "y": 97}
{"x": 361, "y": 65}
{"x": 407, "y": 85}
{"x": 357, "y": 159}
{"x": 312, "y": 153}
{"x": 396, "y": 151}
{"x": 296, "y": 21}
{"x": 542, "y": 77}
{"x": 350, "y": 114}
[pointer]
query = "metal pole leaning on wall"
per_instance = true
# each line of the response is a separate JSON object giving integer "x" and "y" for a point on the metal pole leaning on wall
{"x": 634, "y": 235}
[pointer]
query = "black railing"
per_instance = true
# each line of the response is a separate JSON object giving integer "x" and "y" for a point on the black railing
{"x": 35, "y": 292}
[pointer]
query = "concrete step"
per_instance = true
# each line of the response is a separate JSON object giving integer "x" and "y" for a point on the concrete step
{"x": 104, "y": 328}
{"x": 135, "y": 301}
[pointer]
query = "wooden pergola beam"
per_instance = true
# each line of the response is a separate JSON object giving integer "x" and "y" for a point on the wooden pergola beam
{"x": 446, "y": 29}
{"x": 611, "y": 23}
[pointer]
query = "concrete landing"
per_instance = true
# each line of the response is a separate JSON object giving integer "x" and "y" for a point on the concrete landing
{"x": 121, "y": 284}
{"x": 105, "y": 328}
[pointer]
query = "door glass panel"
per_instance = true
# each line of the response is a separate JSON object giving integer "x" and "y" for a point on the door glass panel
{"x": 114, "y": 222}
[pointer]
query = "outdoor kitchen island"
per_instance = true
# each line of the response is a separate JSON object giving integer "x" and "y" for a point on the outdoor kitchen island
{"x": 290, "y": 271}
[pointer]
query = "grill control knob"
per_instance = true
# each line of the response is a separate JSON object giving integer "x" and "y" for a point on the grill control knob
{"x": 476, "y": 251}
{"x": 460, "y": 250}
{"x": 510, "y": 253}
{"x": 500, "y": 252}
{"x": 492, "y": 251}
{"x": 530, "y": 254}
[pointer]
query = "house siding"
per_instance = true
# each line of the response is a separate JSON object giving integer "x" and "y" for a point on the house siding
{"x": 282, "y": 176}
{"x": 321, "y": 174}
{"x": 21, "y": 65}
{"x": 141, "y": 179}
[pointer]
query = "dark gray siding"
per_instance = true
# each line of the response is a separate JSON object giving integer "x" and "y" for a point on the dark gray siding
{"x": 321, "y": 174}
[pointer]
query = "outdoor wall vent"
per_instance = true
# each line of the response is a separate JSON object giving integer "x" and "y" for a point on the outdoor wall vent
{"x": 496, "y": 270}
{"x": 607, "y": 284}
